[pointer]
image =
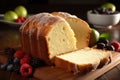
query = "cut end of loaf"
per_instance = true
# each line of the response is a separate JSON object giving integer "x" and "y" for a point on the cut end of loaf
{"x": 80, "y": 27}
{"x": 60, "y": 39}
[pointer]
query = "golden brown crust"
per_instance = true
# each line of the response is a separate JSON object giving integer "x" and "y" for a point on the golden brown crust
{"x": 33, "y": 35}
{"x": 25, "y": 39}
{"x": 85, "y": 69}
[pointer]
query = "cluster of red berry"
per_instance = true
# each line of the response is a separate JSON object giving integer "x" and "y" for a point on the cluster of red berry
{"x": 20, "y": 19}
{"x": 20, "y": 62}
{"x": 116, "y": 45}
{"x": 105, "y": 44}
{"x": 25, "y": 68}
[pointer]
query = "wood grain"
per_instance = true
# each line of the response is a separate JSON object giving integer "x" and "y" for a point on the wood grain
{"x": 113, "y": 74}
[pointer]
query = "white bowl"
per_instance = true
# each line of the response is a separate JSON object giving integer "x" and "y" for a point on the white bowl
{"x": 103, "y": 19}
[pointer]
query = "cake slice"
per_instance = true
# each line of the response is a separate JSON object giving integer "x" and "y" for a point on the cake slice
{"x": 83, "y": 61}
{"x": 79, "y": 26}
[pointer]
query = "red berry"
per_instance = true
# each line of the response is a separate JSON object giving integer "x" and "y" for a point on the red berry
{"x": 116, "y": 45}
{"x": 26, "y": 70}
{"x": 19, "y": 54}
{"x": 18, "y": 20}
{"x": 22, "y": 18}
{"x": 27, "y": 56}
{"x": 25, "y": 60}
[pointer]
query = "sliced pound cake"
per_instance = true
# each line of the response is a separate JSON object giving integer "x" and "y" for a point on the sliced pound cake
{"x": 79, "y": 26}
{"x": 46, "y": 35}
{"x": 84, "y": 60}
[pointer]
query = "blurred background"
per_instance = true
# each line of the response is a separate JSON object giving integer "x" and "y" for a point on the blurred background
{"x": 77, "y": 7}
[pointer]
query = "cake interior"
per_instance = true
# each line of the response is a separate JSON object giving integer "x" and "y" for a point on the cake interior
{"x": 81, "y": 32}
{"x": 62, "y": 42}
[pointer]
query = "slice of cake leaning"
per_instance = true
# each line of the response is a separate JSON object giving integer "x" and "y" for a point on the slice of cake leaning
{"x": 79, "y": 26}
{"x": 83, "y": 61}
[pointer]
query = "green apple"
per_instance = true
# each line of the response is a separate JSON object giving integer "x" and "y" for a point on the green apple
{"x": 109, "y": 6}
{"x": 94, "y": 37}
{"x": 10, "y": 16}
{"x": 21, "y": 11}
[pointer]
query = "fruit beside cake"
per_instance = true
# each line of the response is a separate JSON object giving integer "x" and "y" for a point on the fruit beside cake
{"x": 106, "y": 9}
{"x": 17, "y": 61}
{"x": 10, "y": 16}
{"x": 18, "y": 15}
{"x": 94, "y": 37}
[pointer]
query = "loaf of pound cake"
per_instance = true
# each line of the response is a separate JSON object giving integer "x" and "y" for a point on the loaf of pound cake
{"x": 46, "y": 35}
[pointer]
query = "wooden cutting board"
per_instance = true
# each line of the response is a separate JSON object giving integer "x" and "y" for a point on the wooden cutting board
{"x": 53, "y": 73}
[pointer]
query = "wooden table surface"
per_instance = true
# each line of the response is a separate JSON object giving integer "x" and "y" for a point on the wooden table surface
{"x": 9, "y": 37}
